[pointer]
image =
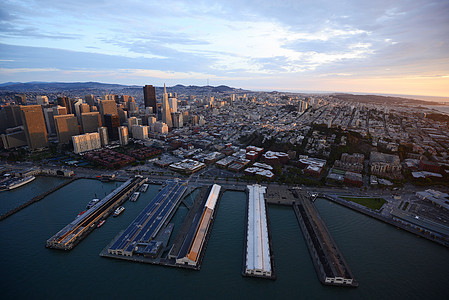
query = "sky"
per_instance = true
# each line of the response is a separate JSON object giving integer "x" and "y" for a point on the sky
{"x": 390, "y": 47}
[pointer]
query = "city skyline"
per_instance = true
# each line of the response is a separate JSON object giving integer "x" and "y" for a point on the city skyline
{"x": 382, "y": 47}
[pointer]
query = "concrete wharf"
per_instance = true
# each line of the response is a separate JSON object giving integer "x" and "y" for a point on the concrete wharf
{"x": 151, "y": 219}
{"x": 194, "y": 210}
{"x": 258, "y": 258}
{"x": 329, "y": 262}
{"x": 73, "y": 233}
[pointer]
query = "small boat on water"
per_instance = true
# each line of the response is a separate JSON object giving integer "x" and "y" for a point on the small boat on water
{"x": 118, "y": 211}
{"x": 16, "y": 182}
{"x": 101, "y": 223}
{"x": 144, "y": 187}
{"x": 134, "y": 197}
{"x": 92, "y": 203}
{"x": 79, "y": 215}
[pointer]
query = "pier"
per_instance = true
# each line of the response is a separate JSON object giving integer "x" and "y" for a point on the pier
{"x": 36, "y": 199}
{"x": 194, "y": 242}
{"x": 142, "y": 231}
{"x": 328, "y": 261}
{"x": 73, "y": 233}
{"x": 258, "y": 258}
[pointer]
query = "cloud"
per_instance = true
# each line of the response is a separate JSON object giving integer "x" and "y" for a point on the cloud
{"x": 256, "y": 39}
{"x": 9, "y": 30}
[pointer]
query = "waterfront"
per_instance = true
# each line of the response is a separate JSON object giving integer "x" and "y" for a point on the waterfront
{"x": 441, "y": 109}
{"x": 388, "y": 263}
{"x": 13, "y": 198}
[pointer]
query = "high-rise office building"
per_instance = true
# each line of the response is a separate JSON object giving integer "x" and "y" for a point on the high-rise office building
{"x": 132, "y": 121}
{"x": 151, "y": 121}
{"x": 166, "y": 115}
{"x": 90, "y": 121}
{"x": 177, "y": 120}
{"x": 34, "y": 126}
{"x": 149, "y": 97}
{"x": 109, "y": 97}
{"x": 123, "y": 135}
{"x": 77, "y": 107}
{"x": 65, "y": 101}
{"x": 49, "y": 120}
{"x": 159, "y": 127}
{"x": 13, "y": 116}
{"x": 59, "y": 110}
{"x": 173, "y": 103}
{"x": 14, "y": 138}
{"x": 140, "y": 132}
{"x": 123, "y": 115}
{"x": 20, "y": 99}
{"x": 42, "y": 100}
{"x": 86, "y": 142}
{"x": 104, "y": 139}
{"x": 132, "y": 106}
{"x": 108, "y": 107}
{"x": 112, "y": 122}
{"x": 89, "y": 100}
{"x": 84, "y": 108}
{"x": 66, "y": 126}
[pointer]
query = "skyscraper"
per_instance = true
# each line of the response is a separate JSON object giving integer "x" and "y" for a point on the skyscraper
{"x": 132, "y": 121}
{"x": 166, "y": 115}
{"x": 149, "y": 97}
{"x": 66, "y": 126}
{"x": 140, "y": 132}
{"x": 112, "y": 122}
{"x": 65, "y": 101}
{"x": 89, "y": 100}
{"x": 90, "y": 121}
{"x": 123, "y": 135}
{"x": 42, "y": 100}
{"x": 177, "y": 120}
{"x": 34, "y": 125}
{"x": 108, "y": 107}
{"x": 173, "y": 102}
{"x": 104, "y": 139}
{"x": 20, "y": 99}
{"x": 49, "y": 120}
{"x": 13, "y": 115}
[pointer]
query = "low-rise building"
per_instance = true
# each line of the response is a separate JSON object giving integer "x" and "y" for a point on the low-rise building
{"x": 187, "y": 166}
{"x": 386, "y": 165}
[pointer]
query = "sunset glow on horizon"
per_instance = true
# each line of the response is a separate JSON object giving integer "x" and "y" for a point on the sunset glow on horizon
{"x": 389, "y": 47}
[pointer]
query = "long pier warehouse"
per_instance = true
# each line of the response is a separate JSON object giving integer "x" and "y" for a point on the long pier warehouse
{"x": 145, "y": 227}
{"x": 258, "y": 259}
{"x": 73, "y": 233}
{"x": 329, "y": 263}
{"x": 194, "y": 241}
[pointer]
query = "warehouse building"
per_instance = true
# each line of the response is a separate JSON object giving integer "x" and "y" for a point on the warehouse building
{"x": 258, "y": 259}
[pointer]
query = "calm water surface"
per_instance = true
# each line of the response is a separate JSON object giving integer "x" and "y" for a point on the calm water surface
{"x": 388, "y": 263}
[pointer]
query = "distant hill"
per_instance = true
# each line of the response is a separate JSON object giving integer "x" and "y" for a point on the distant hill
{"x": 60, "y": 86}
{"x": 93, "y": 87}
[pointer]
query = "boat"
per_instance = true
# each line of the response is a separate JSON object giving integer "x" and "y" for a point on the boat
{"x": 16, "y": 182}
{"x": 118, "y": 211}
{"x": 144, "y": 187}
{"x": 92, "y": 203}
{"x": 134, "y": 197}
{"x": 79, "y": 215}
{"x": 101, "y": 223}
